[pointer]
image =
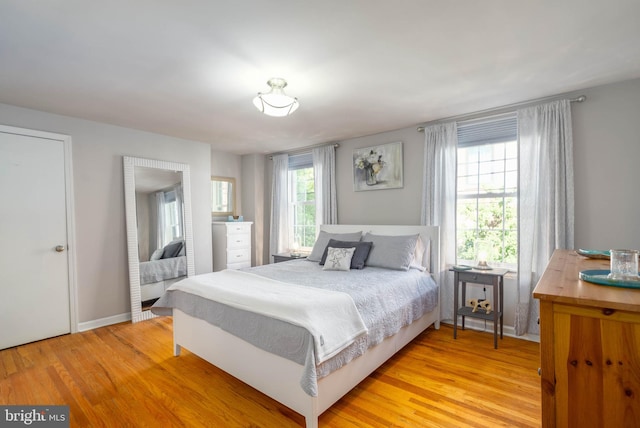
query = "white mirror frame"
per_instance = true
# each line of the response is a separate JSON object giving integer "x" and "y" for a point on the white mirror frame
{"x": 137, "y": 314}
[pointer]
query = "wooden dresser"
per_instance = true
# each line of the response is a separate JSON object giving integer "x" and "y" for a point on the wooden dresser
{"x": 231, "y": 244}
{"x": 590, "y": 347}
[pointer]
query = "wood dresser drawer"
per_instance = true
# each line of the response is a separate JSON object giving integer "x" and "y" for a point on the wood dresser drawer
{"x": 589, "y": 347}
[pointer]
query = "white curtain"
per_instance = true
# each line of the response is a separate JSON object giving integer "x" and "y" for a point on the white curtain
{"x": 439, "y": 202}
{"x": 279, "y": 236}
{"x": 179, "y": 233}
{"x": 324, "y": 171}
{"x": 161, "y": 223}
{"x": 546, "y": 211}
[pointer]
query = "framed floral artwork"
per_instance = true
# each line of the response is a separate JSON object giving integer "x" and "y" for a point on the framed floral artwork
{"x": 378, "y": 167}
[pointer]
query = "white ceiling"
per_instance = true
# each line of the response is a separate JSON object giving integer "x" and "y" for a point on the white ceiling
{"x": 191, "y": 68}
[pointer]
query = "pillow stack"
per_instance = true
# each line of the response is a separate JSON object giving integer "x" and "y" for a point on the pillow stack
{"x": 360, "y": 254}
{"x": 344, "y": 251}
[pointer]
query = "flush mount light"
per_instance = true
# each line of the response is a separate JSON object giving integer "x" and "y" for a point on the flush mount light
{"x": 275, "y": 102}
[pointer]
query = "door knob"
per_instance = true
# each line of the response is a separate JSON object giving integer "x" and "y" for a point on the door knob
{"x": 59, "y": 248}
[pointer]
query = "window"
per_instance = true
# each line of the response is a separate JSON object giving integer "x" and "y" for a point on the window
{"x": 170, "y": 222}
{"x": 302, "y": 202}
{"x": 487, "y": 191}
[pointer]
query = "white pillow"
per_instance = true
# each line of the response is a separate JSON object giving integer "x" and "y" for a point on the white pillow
{"x": 419, "y": 255}
{"x": 338, "y": 258}
{"x": 323, "y": 241}
{"x": 157, "y": 254}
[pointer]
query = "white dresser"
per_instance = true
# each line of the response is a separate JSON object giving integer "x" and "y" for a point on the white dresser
{"x": 231, "y": 244}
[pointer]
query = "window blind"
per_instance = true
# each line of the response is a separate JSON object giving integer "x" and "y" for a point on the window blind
{"x": 497, "y": 129}
{"x": 300, "y": 161}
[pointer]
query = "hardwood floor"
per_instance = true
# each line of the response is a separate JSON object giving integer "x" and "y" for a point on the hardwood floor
{"x": 126, "y": 376}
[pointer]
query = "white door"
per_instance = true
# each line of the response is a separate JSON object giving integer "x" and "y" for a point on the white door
{"x": 34, "y": 270}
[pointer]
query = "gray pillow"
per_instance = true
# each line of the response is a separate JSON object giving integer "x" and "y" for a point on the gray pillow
{"x": 391, "y": 252}
{"x": 323, "y": 240}
{"x": 359, "y": 257}
{"x": 171, "y": 250}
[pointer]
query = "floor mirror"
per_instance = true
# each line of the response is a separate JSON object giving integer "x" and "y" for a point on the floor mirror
{"x": 159, "y": 229}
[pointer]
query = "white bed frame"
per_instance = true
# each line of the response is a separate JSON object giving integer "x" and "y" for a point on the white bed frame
{"x": 278, "y": 377}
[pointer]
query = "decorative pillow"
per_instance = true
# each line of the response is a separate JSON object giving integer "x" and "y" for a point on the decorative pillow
{"x": 323, "y": 240}
{"x": 360, "y": 255}
{"x": 391, "y": 252}
{"x": 171, "y": 250}
{"x": 419, "y": 254}
{"x": 157, "y": 254}
{"x": 338, "y": 258}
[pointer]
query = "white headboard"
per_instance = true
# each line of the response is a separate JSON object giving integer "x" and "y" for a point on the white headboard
{"x": 427, "y": 233}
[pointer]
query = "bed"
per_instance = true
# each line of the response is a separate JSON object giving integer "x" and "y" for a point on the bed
{"x": 167, "y": 266}
{"x": 308, "y": 367}
{"x": 157, "y": 275}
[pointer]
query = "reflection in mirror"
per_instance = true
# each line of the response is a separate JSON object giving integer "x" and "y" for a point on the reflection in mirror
{"x": 223, "y": 196}
{"x": 158, "y": 211}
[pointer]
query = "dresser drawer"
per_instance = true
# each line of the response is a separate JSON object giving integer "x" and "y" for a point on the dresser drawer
{"x": 231, "y": 245}
{"x": 238, "y": 255}
{"x": 238, "y": 229}
{"x": 475, "y": 278}
{"x": 239, "y": 265}
{"x": 238, "y": 241}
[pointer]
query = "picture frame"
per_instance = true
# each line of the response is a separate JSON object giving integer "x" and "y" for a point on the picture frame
{"x": 378, "y": 167}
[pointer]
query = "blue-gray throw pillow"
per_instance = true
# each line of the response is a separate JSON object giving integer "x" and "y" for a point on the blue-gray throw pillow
{"x": 323, "y": 240}
{"x": 359, "y": 256}
{"x": 172, "y": 250}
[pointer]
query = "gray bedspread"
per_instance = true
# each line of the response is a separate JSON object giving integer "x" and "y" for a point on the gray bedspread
{"x": 386, "y": 299}
{"x": 159, "y": 270}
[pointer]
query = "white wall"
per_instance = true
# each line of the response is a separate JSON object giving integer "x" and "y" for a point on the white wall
{"x": 256, "y": 206}
{"x": 391, "y": 206}
{"x": 248, "y": 170}
{"x": 606, "y": 133}
{"x": 102, "y": 268}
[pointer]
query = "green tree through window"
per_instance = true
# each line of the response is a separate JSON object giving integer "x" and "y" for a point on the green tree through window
{"x": 302, "y": 208}
{"x": 487, "y": 202}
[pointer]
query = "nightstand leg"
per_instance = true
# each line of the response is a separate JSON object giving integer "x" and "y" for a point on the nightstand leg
{"x": 455, "y": 304}
{"x": 501, "y": 281}
{"x": 464, "y": 300}
{"x": 496, "y": 302}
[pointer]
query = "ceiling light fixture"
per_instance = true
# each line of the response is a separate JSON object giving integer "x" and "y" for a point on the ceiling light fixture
{"x": 275, "y": 102}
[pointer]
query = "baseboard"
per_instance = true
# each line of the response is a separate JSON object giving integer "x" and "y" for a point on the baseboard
{"x": 487, "y": 327}
{"x": 103, "y": 322}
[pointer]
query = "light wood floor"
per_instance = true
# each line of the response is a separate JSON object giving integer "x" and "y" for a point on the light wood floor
{"x": 125, "y": 375}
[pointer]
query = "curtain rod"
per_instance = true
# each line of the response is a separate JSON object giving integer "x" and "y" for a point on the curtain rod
{"x": 304, "y": 149}
{"x": 578, "y": 99}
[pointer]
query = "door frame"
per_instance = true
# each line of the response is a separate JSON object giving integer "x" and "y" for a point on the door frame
{"x": 70, "y": 211}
